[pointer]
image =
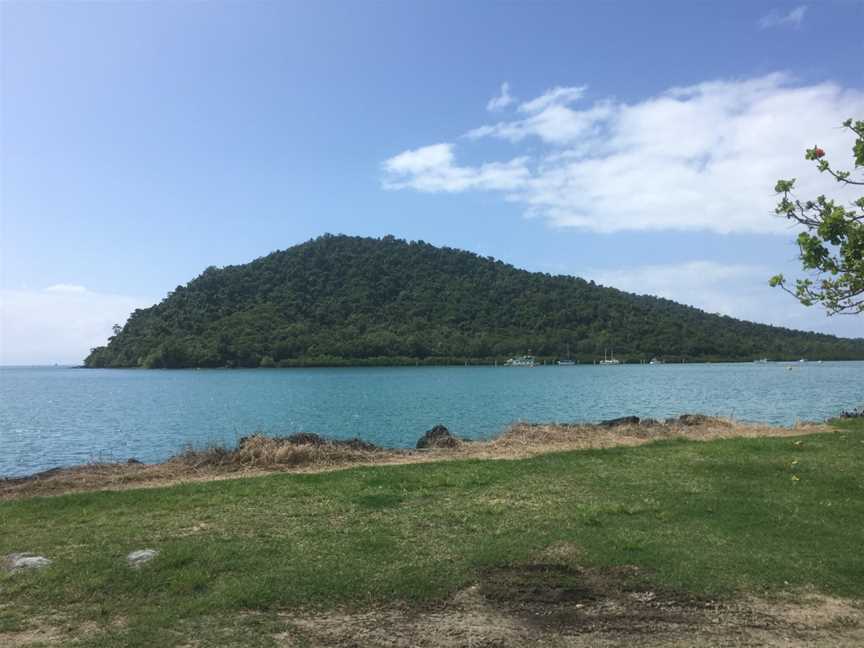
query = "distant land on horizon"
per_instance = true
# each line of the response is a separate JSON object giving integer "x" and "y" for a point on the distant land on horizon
{"x": 344, "y": 300}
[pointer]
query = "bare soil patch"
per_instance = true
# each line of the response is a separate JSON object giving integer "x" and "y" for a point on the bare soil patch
{"x": 260, "y": 455}
{"x": 50, "y": 630}
{"x": 548, "y": 604}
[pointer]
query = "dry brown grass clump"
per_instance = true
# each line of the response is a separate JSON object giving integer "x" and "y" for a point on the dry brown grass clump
{"x": 260, "y": 452}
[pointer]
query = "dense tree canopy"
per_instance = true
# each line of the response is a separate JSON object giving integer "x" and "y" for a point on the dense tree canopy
{"x": 832, "y": 246}
{"x": 349, "y": 300}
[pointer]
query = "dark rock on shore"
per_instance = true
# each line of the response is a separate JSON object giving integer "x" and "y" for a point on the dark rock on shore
{"x": 624, "y": 420}
{"x": 438, "y": 437}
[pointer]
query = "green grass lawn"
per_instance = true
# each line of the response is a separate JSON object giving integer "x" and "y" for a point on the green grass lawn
{"x": 718, "y": 518}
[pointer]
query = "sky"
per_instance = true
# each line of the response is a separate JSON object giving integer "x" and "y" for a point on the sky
{"x": 636, "y": 144}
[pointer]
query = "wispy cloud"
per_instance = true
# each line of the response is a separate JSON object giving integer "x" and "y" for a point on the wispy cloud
{"x": 548, "y": 118}
{"x": 558, "y": 95}
{"x": 776, "y": 18}
{"x": 503, "y": 100}
{"x": 432, "y": 168}
{"x": 701, "y": 157}
{"x": 58, "y": 324}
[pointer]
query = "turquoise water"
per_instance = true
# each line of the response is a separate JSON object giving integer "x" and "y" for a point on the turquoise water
{"x": 58, "y": 416}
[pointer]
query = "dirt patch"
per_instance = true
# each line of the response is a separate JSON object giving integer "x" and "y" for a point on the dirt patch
{"x": 50, "y": 630}
{"x": 48, "y": 636}
{"x": 550, "y": 604}
{"x": 259, "y": 455}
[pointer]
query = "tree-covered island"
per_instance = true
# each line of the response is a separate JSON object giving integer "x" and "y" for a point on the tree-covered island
{"x": 341, "y": 300}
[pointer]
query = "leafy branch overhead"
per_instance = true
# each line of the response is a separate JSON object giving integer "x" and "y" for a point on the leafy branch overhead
{"x": 832, "y": 247}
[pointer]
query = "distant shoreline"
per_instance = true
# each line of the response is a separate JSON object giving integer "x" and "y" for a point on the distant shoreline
{"x": 469, "y": 363}
{"x": 473, "y": 362}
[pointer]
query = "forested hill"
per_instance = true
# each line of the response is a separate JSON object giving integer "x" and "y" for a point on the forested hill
{"x": 349, "y": 300}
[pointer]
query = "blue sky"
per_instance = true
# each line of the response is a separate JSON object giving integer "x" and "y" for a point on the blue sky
{"x": 143, "y": 142}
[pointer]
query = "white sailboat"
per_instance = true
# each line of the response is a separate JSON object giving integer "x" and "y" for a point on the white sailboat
{"x": 610, "y": 360}
{"x": 568, "y": 362}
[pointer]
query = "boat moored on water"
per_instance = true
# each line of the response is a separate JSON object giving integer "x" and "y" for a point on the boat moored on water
{"x": 610, "y": 360}
{"x": 567, "y": 362}
{"x": 521, "y": 361}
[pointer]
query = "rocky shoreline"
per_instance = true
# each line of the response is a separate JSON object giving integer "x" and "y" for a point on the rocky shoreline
{"x": 305, "y": 452}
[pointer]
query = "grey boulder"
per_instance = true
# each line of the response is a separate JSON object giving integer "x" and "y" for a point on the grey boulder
{"x": 141, "y": 557}
{"x": 22, "y": 561}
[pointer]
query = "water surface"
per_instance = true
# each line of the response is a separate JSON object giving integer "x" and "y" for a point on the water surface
{"x": 58, "y": 416}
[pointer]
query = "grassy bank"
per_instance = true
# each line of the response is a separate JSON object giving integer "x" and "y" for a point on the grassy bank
{"x": 705, "y": 520}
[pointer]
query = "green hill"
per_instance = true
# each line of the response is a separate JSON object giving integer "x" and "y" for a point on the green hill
{"x": 349, "y": 300}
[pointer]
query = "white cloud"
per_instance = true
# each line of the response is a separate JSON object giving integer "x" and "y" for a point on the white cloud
{"x": 555, "y": 124}
{"x": 549, "y": 118}
{"x": 739, "y": 291}
{"x": 59, "y": 324}
{"x": 701, "y": 157}
{"x": 776, "y": 18}
{"x": 431, "y": 169}
{"x": 502, "y": 100}
{"x": 557, "y": 96}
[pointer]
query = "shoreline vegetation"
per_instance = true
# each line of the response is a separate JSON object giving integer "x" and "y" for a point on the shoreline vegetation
{"x": 697, "y": 531}
{"x": 259, "y": 454}
{"x": 498, "y": 361}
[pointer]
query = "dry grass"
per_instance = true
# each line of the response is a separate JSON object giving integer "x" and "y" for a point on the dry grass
{"x": 259, "y": 454}
{"x": 528, "y": 439}
{"x": 263, "y": 452}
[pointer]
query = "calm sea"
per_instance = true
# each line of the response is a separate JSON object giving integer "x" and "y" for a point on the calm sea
{"x": 58, "y": 416}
